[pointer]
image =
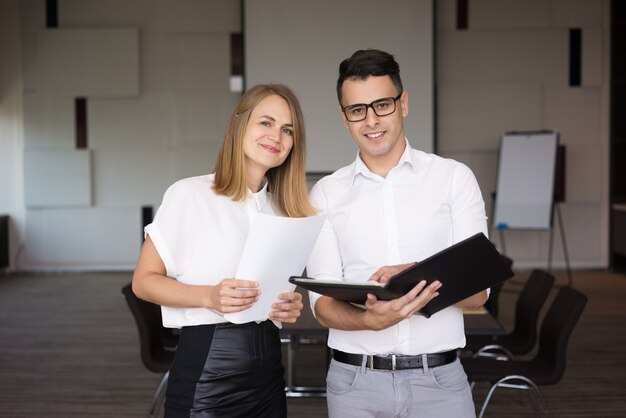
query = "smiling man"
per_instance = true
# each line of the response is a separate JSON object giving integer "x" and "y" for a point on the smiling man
{"x": 390, "y": 208}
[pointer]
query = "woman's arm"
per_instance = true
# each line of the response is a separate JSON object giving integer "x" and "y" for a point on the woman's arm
{"x": 150, "y": 283}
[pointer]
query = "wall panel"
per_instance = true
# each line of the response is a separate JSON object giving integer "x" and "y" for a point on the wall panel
{"x": 48, "y": 122}
{"x": 574, "y": 112}
{"x": 131, "y": 123}
{"x": 477, "y": 114}
{"x": 201, "y": 117}
{"x": 191, "y": 62}
{"x": 199, "y": 16}
{"x": 57, "y": 178}
{"x": 96, "y": 238}
{"x": 88, "y": 62}
{"x": 140, "y": 176}
{"x": 504, "y": 55}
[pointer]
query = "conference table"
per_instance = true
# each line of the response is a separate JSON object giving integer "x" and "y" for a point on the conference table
{"x": 307, "y": 331}
{"x": 481, "y": 322}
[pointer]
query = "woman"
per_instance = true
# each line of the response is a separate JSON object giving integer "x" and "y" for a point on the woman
{"x": 223, "y": 369}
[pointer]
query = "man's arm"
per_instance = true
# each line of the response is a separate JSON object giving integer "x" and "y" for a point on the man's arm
{"x": 378, "y": 314}
{"x": 474, "y": 301}
{"x": 468, "y": 218}
{"x": 384, "y": 273}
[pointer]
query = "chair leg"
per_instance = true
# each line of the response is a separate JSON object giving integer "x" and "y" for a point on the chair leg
{"x": 528, "y": 384}
{"x": 157, "y": 395}
{"x": 486, "y": 402}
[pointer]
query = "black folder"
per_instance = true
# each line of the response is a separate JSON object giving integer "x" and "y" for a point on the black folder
{"x": 463, "y": 269}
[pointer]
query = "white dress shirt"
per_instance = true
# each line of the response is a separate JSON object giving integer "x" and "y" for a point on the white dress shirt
{"x": 425, "y": 204}
{"x": 200, "y": 235}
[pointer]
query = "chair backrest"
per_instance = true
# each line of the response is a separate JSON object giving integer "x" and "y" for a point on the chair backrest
{"x": 154, "y": 354}
{"x": 556, "y": 329}
{"x": 494, "y": 295}
{"x": 527, "y": 309}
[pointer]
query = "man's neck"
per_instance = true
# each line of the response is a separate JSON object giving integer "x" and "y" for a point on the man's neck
{"x": 381, "y": 165}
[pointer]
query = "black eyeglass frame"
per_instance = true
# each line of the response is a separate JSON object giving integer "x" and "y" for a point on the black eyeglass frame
{"x": 395, "y": 99}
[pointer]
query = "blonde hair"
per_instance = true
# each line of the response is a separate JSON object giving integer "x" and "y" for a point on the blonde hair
{"x": 287, "y": 182}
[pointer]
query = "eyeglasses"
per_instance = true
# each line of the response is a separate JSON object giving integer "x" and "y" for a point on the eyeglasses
{"x": 381, "y": 107}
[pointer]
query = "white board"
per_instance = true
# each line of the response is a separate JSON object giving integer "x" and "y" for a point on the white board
{"x": 525, "y": 190}
{"x": 301, "y": 43}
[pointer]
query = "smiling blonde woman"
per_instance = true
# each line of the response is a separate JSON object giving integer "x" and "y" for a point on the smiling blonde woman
{"x": 191, "y": 252}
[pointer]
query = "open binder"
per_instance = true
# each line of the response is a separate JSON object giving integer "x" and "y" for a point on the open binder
{"x": 464, "y": 269}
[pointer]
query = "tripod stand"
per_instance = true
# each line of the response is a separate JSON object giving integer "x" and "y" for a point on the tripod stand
{"x": 557, "y": 211}
{"x": 556, "y": 208}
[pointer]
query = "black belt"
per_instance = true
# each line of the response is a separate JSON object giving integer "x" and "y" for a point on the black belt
{"x": 396, "y": 361}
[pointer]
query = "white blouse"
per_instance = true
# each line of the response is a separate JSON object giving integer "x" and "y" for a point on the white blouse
{"x": 200, "y": 235}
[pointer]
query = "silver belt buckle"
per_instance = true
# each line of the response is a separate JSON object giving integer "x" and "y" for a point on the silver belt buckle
{"x": 370, "y": 362}
{"x": 393, "y": 362}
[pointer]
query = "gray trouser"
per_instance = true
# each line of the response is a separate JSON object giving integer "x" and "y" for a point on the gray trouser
{"x": 356, "y": 391}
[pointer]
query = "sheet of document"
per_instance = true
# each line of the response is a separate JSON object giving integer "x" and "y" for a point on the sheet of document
{"x": 276, "y": 248}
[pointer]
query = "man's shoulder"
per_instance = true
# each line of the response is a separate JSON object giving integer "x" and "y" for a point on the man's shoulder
{"x": 333, "y": 188}
{"x": 424, "y": 159}
{"x": 340, "y": 178}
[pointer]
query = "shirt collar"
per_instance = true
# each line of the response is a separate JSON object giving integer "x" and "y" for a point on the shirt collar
{"x": 360, "y": 169}
{"x": 259, "y": 198}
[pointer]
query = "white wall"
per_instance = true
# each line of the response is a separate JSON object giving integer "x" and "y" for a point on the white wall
{"x": 308, "y": 59}
{"x": 510, "y": 71}
{"x": 155, "y": 75}
{"x": 11, "y": 142}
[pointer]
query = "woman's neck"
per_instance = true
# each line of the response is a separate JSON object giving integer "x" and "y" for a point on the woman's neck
{"x": 255, "y": 180}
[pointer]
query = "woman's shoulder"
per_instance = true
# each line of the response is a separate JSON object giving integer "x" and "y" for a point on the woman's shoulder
{"x": 193, "y": 183}
{"x": 191, "y": 186}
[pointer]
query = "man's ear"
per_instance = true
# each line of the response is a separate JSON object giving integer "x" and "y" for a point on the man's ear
{"x": 404, "y": 99}
{"x": 343, "y": 117}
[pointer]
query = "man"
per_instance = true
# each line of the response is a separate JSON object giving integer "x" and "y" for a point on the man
{"x": 390, "y": 208}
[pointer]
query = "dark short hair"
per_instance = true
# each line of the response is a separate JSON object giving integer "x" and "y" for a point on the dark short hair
{"x": 368, "y": 62}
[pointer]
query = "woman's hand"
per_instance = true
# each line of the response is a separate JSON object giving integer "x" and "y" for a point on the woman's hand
{"x": 233, "y": 295}
{"x": 288, "y": 310}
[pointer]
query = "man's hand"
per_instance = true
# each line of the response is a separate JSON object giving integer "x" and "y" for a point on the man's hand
{"x": 383, "y": 274}
{"x": 288, "y": 310}
{"x": 383, "y": 314}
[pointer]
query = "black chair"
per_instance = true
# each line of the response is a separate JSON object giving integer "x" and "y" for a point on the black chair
{"x": 548, "y": 366}
{"x": 492, "y": 303}
{"x": 306, "y": 331}
{"x": 521, "y": 340}
{"x": 157, "y": 344}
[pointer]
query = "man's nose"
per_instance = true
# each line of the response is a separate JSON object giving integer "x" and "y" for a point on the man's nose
{"x": 371, "y": 118}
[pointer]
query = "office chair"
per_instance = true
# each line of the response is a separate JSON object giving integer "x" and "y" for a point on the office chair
{"x": 494, "y": 295}
{"x": 157, "y": 344}
{"x": 492, "y": 303}
{"x": 548, "y": 366}
{"x": 521, "y": 340}
{"x": 305, "y": 331}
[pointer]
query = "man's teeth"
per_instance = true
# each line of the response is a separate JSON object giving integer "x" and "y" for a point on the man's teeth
{"x": 376, "y": 135}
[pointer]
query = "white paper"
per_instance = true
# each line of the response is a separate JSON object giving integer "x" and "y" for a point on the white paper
{"x": 276, "y": 248}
